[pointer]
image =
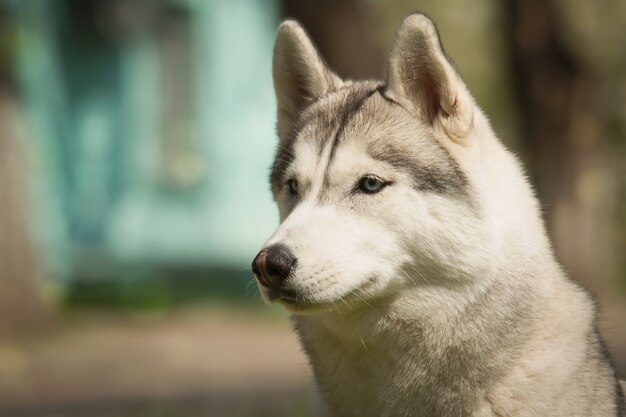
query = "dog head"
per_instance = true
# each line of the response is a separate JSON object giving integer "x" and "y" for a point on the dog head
{"x": 374, "y": 181}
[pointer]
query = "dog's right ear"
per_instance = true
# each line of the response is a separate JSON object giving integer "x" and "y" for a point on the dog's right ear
{"x": 300, "y": 75}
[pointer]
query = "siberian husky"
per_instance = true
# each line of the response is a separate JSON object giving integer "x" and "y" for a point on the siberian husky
{"x": 412, "y": 251}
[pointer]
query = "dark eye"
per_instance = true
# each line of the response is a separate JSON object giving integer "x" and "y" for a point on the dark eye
{"x": 371, "y": 184}
{"x": 293, "y": 187}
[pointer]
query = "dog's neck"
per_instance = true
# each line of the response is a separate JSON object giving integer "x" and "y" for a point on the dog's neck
{"x": 437, "y": 346}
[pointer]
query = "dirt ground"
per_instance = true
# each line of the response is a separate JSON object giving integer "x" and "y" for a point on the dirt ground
{"x": 214, "y": 362}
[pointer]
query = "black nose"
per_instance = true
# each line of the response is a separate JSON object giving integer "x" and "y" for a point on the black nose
{"x": 273, "y": 265}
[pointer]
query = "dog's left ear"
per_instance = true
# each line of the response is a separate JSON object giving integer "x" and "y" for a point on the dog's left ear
{"x": 420, "y": 77}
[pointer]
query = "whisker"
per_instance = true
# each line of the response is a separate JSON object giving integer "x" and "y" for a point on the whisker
{"x": 365, "y": 301}
{"x": 410, "y": 278}
{"x": 418, "y": 272}
{"x": 345, "y": 303}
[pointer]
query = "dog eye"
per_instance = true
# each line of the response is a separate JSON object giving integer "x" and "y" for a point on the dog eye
{"x": 371, "y": 184}
{"x": 292, "y": 185}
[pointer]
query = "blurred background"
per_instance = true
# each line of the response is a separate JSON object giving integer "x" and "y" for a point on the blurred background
{"x": 135, "y": 142}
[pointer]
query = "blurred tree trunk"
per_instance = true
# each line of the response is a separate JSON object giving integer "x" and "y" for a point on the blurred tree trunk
{"x": 20, "y": 304}
{"x": 21, "y": 307}
{"x": 342, "y": 31}
{"x": 569, "y": 156}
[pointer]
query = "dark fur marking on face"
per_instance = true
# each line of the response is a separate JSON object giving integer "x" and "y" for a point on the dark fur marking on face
{"x": 285, "y": 155}
{"x": 440, "y": 178}
{"x": 351, "y": 107}
{"x": 283, "y": 159}
{"x": 353, "y": 103}
{"x": 443, "y": 176}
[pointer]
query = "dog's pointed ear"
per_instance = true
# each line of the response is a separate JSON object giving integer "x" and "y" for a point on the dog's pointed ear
{"x": 300, "y": 75}
{"x": 420, "y": 77}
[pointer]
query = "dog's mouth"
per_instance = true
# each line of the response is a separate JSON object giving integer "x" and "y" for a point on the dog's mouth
{"x": 296, "y": 302}
{"x": 284, "y": 295}
{"x": 292, "y": 300}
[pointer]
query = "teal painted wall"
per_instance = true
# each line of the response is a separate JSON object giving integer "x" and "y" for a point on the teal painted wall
{"x": 150, "y": 143}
